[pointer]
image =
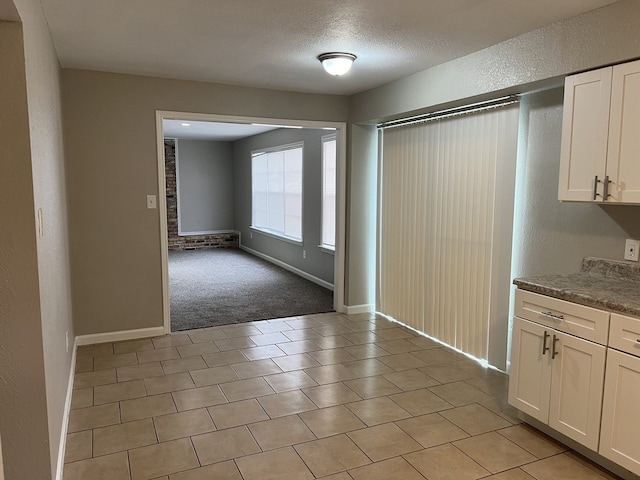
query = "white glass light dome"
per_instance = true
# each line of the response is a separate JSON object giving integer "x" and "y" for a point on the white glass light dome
{"x": 336, "y": 63}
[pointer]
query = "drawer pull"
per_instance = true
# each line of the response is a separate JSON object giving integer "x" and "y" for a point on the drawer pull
{"x": 552, "y": 315}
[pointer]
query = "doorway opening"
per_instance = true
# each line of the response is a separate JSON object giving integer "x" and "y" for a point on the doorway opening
{"x": 239, "y": 141}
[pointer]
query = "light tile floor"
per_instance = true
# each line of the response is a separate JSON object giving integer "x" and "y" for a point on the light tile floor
{"x": 323, "y": 396}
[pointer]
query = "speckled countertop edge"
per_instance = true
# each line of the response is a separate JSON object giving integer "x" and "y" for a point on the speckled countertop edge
{"x": 596, "y": 286}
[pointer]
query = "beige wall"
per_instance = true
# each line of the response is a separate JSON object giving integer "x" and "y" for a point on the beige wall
{"x": 49, "y": 188}
{"x": 110, "y": 136}
{"x": 35, "y": 293}
{"x": 23, "y": 411}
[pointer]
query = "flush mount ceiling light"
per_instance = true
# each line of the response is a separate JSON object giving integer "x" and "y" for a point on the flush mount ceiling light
{"x": 336, "y": 63}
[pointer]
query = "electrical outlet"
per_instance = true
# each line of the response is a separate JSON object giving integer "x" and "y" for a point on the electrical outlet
{"x": 631, "y": 248}
{"x": 66, "y": 341}
{"x": 304, "y": 254}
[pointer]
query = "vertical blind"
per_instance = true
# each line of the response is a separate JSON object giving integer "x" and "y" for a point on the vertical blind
{"x": 446, "y": 220}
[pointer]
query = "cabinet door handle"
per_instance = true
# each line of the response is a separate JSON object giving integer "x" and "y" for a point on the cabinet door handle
{"x": 595, "y": 188}
{"x": 552, "y": 315}
{"x": 554, "y": 352}
{"x": 605, "y": 191}
{"x": 545, "y": 349}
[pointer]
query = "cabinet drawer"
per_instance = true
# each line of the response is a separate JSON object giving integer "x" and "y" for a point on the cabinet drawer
{"x": 625, "y": 334}
{"x": 584, "y": 322}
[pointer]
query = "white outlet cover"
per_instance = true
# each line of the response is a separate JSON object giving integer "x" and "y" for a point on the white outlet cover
{"x": 631, "y": 248}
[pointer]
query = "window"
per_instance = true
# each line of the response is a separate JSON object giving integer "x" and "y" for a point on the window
{"x": 329, "y": 192}
{"x": 276, "y": 187}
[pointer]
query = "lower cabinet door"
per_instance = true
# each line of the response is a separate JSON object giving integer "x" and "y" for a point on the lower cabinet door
{"x": 530, "y": 374}
{"x": 576, "y": 388}
{"x": 620, "y": 436}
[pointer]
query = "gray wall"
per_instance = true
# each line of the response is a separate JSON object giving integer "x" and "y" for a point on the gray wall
{"x": 552, "y": 236}
{"x": 537, "y": 59}
{"x": 110, "y": 143}
{"x": 205, "y": 186}
{"x": 317, "y": 263}
{"x": 35, "y": 303}
{"x": 362, "y": 177}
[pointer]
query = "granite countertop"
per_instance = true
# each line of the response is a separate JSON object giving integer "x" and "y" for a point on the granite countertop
{"x": 605, "y": 284}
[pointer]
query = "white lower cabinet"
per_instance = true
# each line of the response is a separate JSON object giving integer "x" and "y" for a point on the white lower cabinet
{"x": 576, "y": 389}
{"x": 530, "y": 376}
{"x": 557, "y": 379}
{"x": 559, "y": 351}
{"x": 620, "y": 436}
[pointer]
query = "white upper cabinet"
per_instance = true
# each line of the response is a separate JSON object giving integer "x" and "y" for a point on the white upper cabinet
{"x": 600, "y": 154}
{"x": 623, "y": 153}
{"x": 585, "y": 128}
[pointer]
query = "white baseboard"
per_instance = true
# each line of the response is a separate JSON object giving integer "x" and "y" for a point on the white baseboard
{"x": 119, "y": 336}
{"x": 288, "y": 267}
{"x": 205, "y": 232}
{"x": 65, "y": 415}
{"x": 89, "y": 340}
{"x": 354, "y": 309}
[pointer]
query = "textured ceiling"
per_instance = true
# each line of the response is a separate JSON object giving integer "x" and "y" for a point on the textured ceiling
{"x": 274, "y": 43}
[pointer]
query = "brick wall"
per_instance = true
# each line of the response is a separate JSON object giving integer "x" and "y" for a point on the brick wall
{"x": 176, "y": 242}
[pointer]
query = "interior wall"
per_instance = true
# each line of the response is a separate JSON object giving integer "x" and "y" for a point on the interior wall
{"x": 175, "y": 241}
{"x": 205, "y": 186}
{"x": 318, "y": 263}
{"x": 111, "y": 151}
{"x": 49, "y": 181}
{"x": 536, "y": 60}
{"x": 552, "y": 236}
{"x": 362, "y": 177}
{"x": 23, "y": 396}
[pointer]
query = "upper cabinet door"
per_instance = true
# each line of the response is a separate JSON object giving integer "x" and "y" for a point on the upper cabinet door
{"x": 623, "y": 158}
{"x": 585, "y": 127}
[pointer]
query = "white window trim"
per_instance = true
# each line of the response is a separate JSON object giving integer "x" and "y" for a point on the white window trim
{"x": 331, "y": 250}
{"x": 327, "y": 248}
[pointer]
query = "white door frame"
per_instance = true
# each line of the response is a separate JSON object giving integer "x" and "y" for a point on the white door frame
{"x": 339, "y": 258}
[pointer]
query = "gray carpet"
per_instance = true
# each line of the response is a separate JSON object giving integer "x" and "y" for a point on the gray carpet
{"x": 223, "y": 286}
